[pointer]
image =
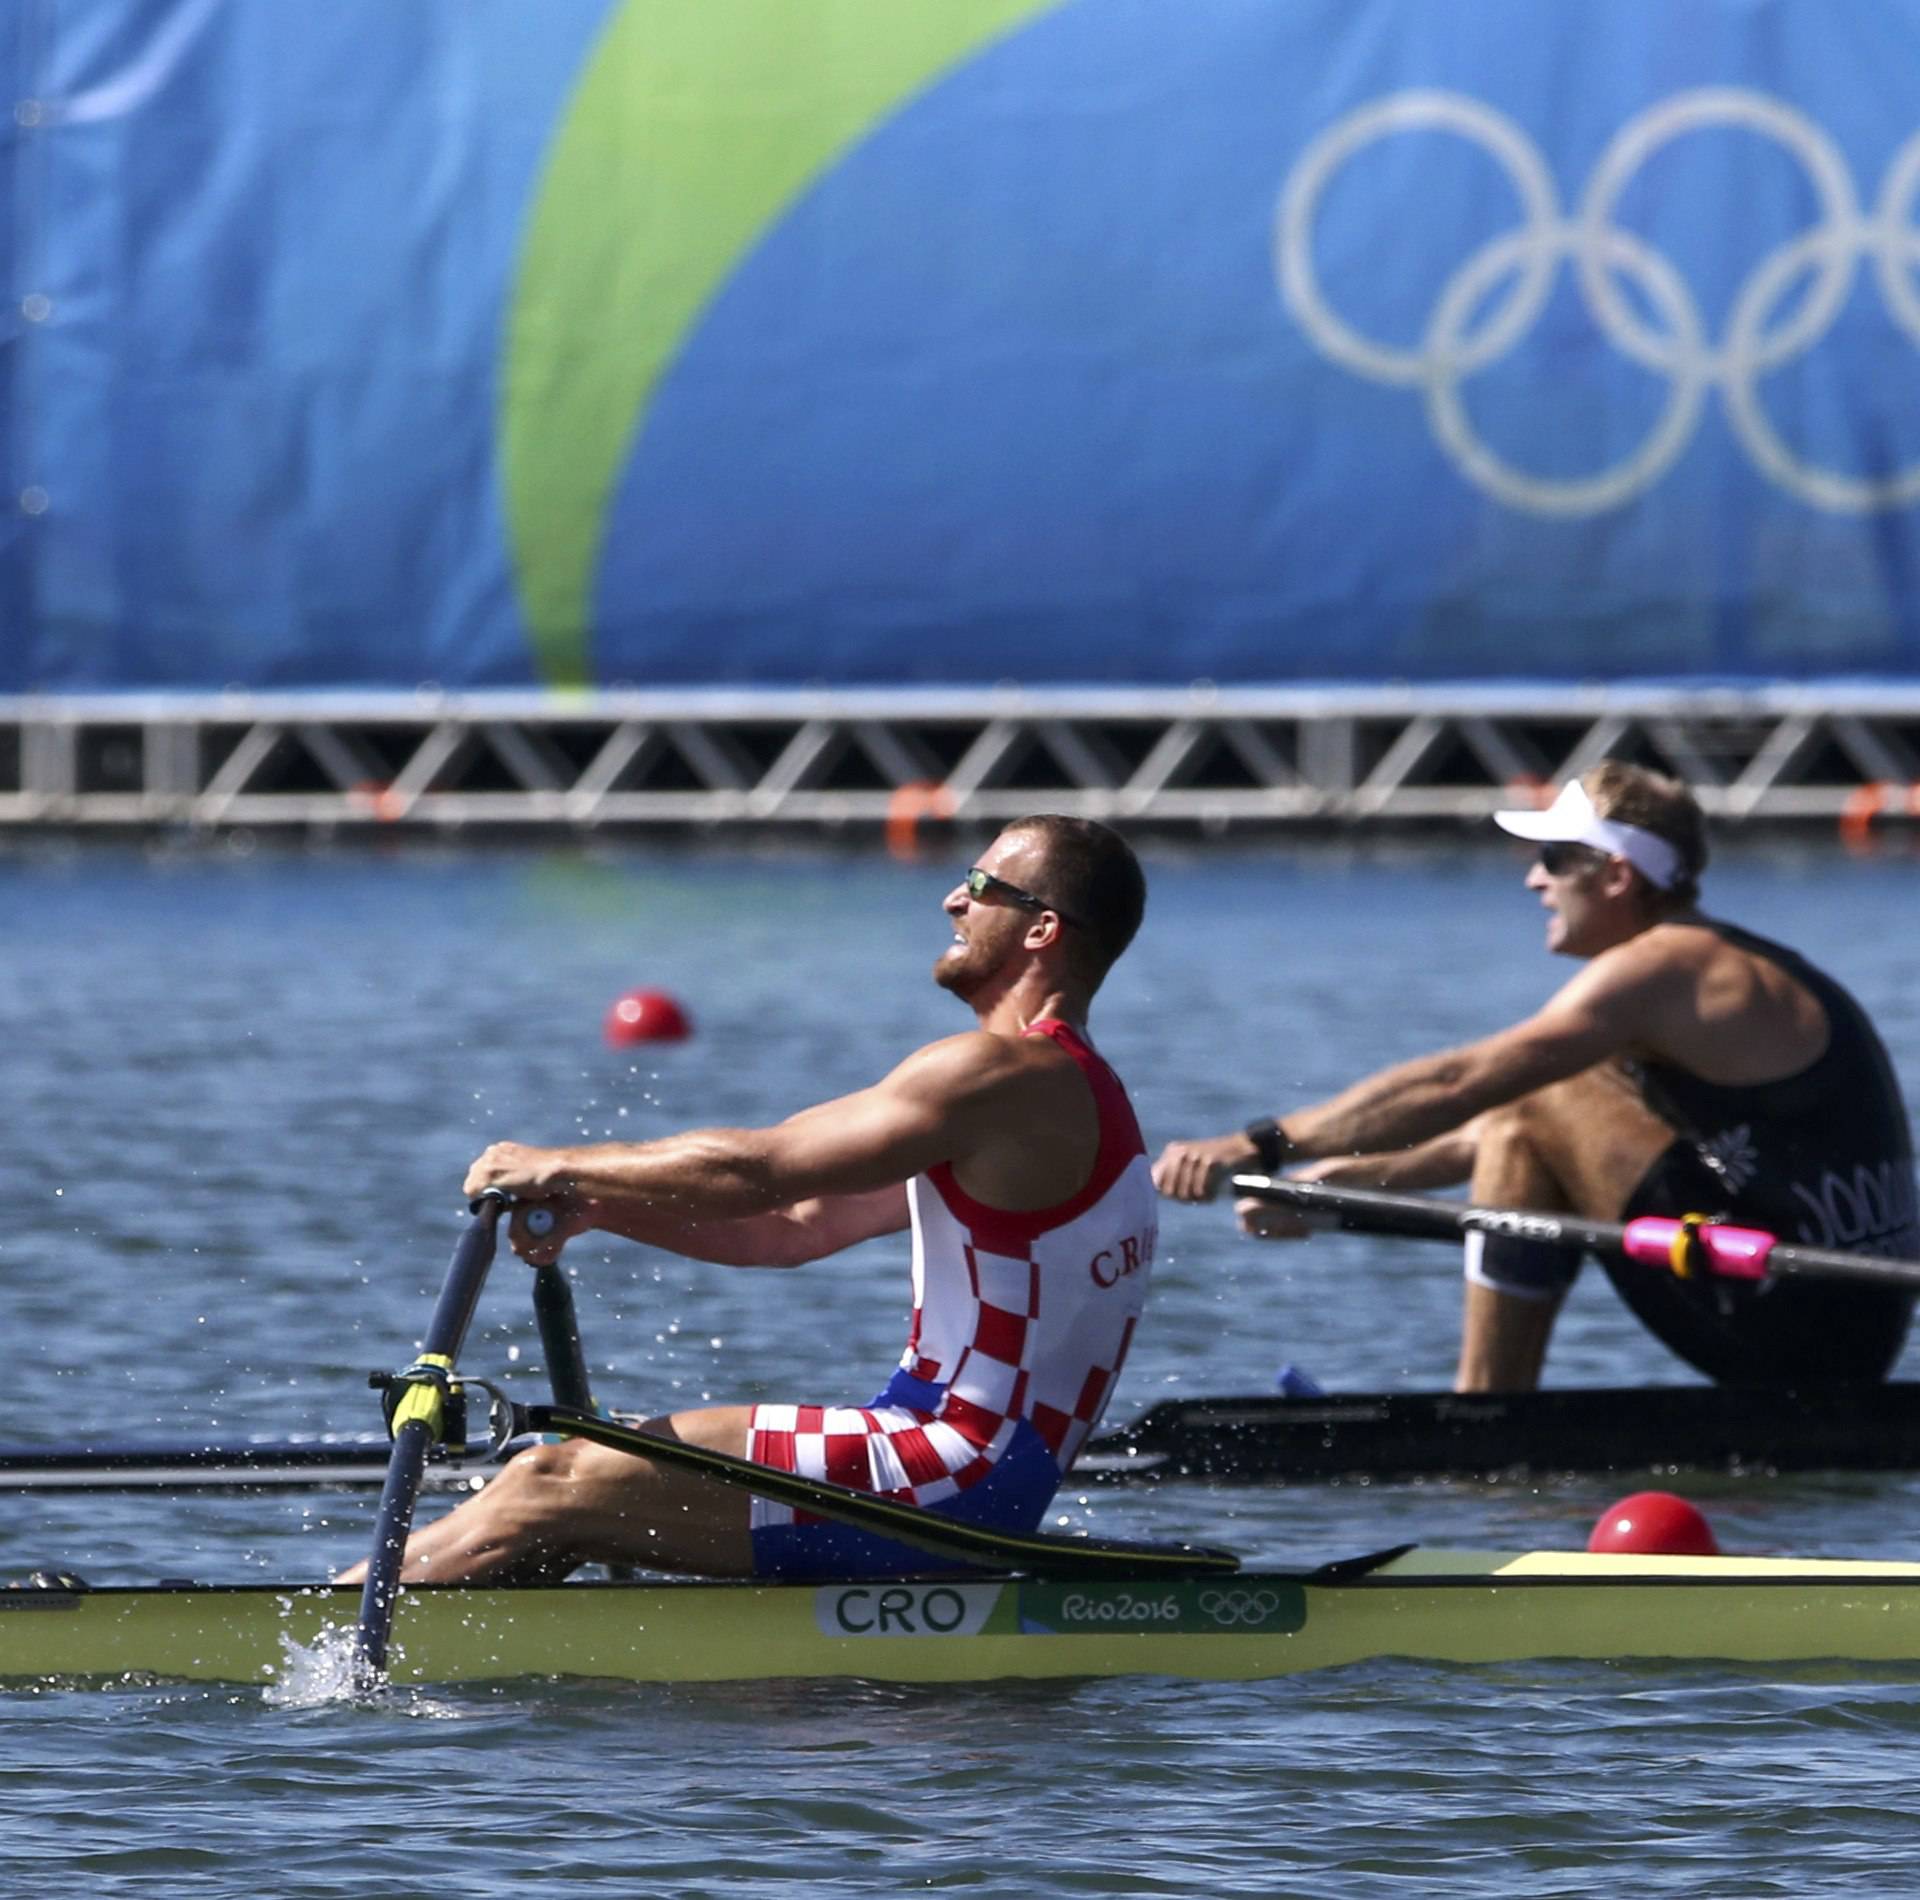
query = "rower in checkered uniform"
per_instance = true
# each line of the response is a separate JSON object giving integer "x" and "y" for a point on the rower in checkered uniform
{"x": 1012, "y": 1154}
{"x": 1021, "y": 1323}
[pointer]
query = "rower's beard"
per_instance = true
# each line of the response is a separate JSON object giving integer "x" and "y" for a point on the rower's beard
{"x": 967, "y": 970}
{"x": 957, "y": 977}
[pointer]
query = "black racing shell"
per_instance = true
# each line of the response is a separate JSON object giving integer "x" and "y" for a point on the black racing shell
{"x": 1823, "y": 1158}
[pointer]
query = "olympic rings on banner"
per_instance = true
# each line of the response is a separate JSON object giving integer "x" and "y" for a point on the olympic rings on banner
{"x": 1497, "y": 294}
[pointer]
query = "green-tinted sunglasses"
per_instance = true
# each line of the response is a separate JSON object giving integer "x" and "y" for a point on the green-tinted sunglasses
{"x": 980, "y": 883}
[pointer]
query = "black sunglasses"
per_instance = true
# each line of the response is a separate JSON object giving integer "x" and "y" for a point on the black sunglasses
{"x": 1557, "y": 859}
{"x": 979, "y": 883}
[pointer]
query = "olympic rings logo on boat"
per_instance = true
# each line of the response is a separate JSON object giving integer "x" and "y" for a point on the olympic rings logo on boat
{"x": 1764, "y": 329}
{"x": 1231, "y": 1608}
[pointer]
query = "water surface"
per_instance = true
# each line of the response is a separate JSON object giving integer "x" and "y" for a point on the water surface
{"x": 244, "y": 1087}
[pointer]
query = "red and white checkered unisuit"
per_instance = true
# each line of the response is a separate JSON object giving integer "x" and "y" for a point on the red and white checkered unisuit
{"x": 1017, "y": 1317}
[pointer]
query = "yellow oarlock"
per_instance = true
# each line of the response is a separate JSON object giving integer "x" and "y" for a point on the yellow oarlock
{"x": 1683, "y": 1250}
{"x": 424, "y": 1399}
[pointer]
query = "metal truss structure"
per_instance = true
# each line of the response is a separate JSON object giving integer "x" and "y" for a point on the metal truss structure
{"x": 1205, "y": 759}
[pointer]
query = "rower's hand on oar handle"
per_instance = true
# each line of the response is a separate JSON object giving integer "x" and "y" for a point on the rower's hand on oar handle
{"x": 1264, "y": 1221}
{"x": 1267, "y": 1220}
{"x": 1197, "y": 1170}
{"x": 546, "y": 1211}
{"x": 537, "y": 1232}
{"x": 528, "y": 1174}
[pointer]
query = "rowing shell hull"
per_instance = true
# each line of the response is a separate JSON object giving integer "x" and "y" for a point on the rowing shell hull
{"x": 1428, "y": 1605}
{"x": 1645, "y": 1429}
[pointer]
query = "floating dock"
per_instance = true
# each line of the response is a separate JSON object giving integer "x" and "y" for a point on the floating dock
{"x": 1205, "y": 759}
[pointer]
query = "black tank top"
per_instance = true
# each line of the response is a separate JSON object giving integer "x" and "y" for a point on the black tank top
{"x": 1824, "y": 1157}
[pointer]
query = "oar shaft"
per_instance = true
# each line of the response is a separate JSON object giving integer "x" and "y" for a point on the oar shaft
{"x": 1422, "y": 1217}
{"x": 559, "y": 1325}
{"x": 1743, "y": 1253}
{"x": 466, "y": 1276}
{"x": 1823, "y": 1263}
{"x": 417, "y": 1428}
{"x": 203, "y": 1466}
{"x": 394, "y": 1521}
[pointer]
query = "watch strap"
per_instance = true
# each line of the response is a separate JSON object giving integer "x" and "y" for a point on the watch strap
{"x": 1269, "y": 1141}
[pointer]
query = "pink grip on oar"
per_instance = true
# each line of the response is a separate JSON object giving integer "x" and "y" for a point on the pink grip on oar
{"x": 1740, "y": 1253}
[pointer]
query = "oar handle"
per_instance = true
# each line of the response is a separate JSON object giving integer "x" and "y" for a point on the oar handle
{"x": 417, "y": 1422}
{"x": 1682, "y": 1246}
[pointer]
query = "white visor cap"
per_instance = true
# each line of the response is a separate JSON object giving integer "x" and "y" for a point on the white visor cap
{"x": 1571, "y": 819}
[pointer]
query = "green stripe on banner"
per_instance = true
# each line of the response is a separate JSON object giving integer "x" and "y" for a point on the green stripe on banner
{"x": 694, "y": 127}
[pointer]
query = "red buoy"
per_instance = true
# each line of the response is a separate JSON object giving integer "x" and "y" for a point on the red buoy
{"x": 1654, "y": 1524}
{"x": 647, "y": 1016}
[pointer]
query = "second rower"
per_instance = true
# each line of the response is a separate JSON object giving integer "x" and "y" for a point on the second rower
{"x": 1689, "y": 1067}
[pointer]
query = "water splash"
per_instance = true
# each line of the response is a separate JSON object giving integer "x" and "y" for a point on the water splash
{"x": 316, "y": 1674}
{"x": 325, "y": 1674}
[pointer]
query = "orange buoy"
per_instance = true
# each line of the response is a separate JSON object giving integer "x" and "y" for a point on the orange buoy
{"x": 1654, "y": 1524}
{"x": 911, "y": 803}
{"x": 1863, "y": 805}
{"x": 1529, "y": 788}
{"x": 647, "y": 1016}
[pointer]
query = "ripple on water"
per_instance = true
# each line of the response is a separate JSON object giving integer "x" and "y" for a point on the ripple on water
{"x": 289, "y": 1025}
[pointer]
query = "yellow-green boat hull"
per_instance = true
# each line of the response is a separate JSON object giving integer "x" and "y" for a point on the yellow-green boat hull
{"x": 1428, "y": 1605}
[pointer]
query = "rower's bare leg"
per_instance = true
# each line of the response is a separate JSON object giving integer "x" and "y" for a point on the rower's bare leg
{"x": 1581, "y": 1146}
{"x": 1503, "y": 1339}
{"x": 555, "y": 1507}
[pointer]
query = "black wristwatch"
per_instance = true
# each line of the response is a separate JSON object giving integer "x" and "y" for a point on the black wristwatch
{"x": 1270, "y": 1142}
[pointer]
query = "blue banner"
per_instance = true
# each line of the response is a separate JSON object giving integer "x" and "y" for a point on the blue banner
{"x": 626, "y": 342}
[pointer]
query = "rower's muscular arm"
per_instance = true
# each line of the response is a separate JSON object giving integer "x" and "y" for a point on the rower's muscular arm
{"x": 1443, "y": 1162}
{"x": 785, "y": 1237}
{"x": 819, "y": 1181}
{"x": 1615, "y": 1004}
{"x": 1417, "y": 1101}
